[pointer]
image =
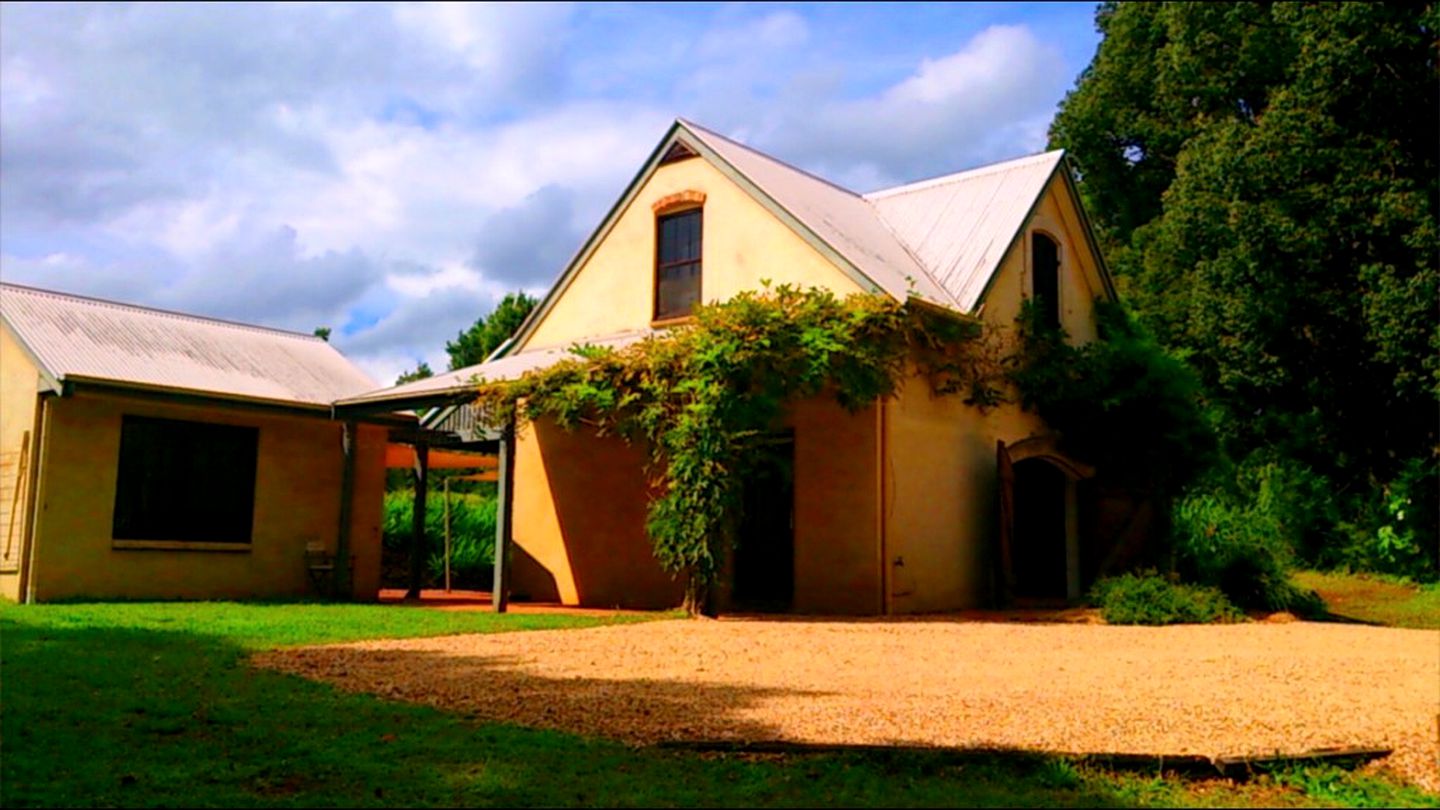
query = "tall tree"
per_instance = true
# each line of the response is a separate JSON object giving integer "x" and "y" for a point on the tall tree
{"x": 420, "y": 372}
{"x": 473, "y": 345}
{"x": 1265, "y": 179}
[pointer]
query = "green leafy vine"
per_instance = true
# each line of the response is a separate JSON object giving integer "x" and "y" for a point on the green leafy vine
{"x": 702, "y": 398}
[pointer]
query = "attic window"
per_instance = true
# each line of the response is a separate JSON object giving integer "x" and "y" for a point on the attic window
{"x": 1045, "y": 278}
{"x": 677, "y": 264}
{"x": 678, "y": 151}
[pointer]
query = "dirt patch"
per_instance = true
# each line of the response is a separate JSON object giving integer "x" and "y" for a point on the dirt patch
{"x": 1218, "y": 690}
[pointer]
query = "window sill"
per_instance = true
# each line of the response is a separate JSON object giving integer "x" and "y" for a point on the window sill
{"x": 176, "y": 545}
{"x": 666, "y": 323}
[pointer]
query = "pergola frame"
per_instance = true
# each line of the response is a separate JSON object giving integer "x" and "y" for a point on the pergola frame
{"x": 499, "y": 443}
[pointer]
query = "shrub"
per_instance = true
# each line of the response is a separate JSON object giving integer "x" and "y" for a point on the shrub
{"x": 1120, "y": 402}
{"x": 1241, "y": 538}
{"x": 472, "y": 534}
{"x": 1395, "y": 533}
{"x": 1148, "y": 598}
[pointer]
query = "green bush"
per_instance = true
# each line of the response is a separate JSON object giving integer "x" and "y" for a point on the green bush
{"x": 1120, "y": 402}
{"x": 1148, "y": 598}
{"x": 1395, "y": 533}
{"x": 472, "y": 534}
{"x": 1242, "y": 538}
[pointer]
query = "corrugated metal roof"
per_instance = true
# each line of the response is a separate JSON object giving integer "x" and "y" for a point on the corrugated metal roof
{"x": 939, "y": 239}
{"x": 77, "y": 338}
{"x": 839, "y": 217}
{"x": 960, "y": 226}
{"x": 466, "y": 379}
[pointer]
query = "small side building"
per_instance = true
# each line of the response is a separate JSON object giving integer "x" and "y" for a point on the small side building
{"x": 156, "y": 455}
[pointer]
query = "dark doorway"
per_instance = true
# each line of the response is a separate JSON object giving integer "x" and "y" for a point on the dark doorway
{"x": 1039, "y": 544}
{"x": 765, "y": 544}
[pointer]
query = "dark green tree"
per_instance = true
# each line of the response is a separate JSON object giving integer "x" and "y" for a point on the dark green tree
{"x": 322, "y": 332}
{"x": 473, "y": 345}
{"x": 1265, "y": 180}
{"x": 420, "y": 372}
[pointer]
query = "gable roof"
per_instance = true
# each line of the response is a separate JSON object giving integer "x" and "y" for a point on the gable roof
{"x": 77, "y": 339}
{"x": 960, "y": 226}
{"x": 840, "y": 218}
{"x": 940, "y": 240}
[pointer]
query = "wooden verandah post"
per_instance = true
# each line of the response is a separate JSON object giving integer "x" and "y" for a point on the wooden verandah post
{"x": 342, "y": 583}
{"x": 500, "y": 590}
{"x": 417, "y": 525}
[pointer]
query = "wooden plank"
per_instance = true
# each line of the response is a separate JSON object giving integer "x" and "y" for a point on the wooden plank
{"x": 1243, "y": 767}
{"x": 1233, "y": 767}
{"x": 16, "y": 488}
{"x": 1192, "y": 764}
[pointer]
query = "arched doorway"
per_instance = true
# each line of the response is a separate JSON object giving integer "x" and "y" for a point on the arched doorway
{"x": 1040, "y": 548}
{"x": 1039, "y": 539}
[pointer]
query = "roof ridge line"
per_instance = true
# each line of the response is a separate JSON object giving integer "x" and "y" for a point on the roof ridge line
{"x": 692, "y": 125}
{"x": 977, "y": 171}
{"x": 90, "y": 299}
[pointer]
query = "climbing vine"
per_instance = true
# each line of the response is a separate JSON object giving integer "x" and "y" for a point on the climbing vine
{"x": 703, "y": 398}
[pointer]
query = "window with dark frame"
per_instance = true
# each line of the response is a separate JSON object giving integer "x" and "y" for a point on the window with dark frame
{"x": 677, "y": 264}
{"x": 185, "y": 481}
{"x": 1045, "y": 277}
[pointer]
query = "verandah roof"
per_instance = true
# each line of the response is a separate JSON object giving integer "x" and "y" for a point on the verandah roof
{"x": 454, "y": 386}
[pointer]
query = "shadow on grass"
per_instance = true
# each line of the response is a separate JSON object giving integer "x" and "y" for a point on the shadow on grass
{"x": 123, "y": 716}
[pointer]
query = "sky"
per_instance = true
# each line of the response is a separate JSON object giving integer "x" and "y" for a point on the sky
{"x": 390, "y": 171}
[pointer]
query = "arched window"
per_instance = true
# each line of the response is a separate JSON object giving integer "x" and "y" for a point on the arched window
{"x": 1045, "y": 277}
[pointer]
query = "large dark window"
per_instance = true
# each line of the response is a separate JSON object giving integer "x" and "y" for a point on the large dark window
{"x": 1045, "y": 276}
{"x": 185, "y": 481}
{"x": 677, "y": 264}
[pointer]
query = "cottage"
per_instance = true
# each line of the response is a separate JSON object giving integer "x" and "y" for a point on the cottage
{"x": 151, "y": 454}
{"x": 897, "y": 509}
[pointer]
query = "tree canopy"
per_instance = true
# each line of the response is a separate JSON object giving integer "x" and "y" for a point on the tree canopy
{"x": 1264, "y": 179}
{"x": 420, "y": 372}
{"x": 473, "y": 345}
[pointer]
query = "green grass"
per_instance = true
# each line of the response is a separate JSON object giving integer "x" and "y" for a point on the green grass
{"x": 153, "y": 704}
{"x": 1376, "y": 599}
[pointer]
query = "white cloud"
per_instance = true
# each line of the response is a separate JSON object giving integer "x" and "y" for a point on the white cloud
{"x": 990, "y": 100}
{"x": 389, "y": 170}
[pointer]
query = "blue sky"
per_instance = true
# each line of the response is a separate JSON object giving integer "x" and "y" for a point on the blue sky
{"x": 389, "y": 171}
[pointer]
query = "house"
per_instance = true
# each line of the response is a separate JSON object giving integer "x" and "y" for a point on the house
{"x": 152, "y": 454}
{"x": 916, "y": 504}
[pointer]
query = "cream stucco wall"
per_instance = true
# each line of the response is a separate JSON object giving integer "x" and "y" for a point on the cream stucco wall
{"x": 297, "y": 497}
{"x": 579, "y": 522}
{"x": 742, "y": 244}
{"x": 19, "y": 387}
{"x": 837, "y": 489}
{"x": 580, "y": 504}
{"x": 941, "y": 471}
{"x": 1057, "y": 217}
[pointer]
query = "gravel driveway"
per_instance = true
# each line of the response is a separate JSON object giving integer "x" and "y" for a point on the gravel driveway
{"x": 1212, "y": 690}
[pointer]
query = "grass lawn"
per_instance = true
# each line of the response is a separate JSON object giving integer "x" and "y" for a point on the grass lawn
{"x": 153, "y": 704}
{"x": 1376, "y": 599}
